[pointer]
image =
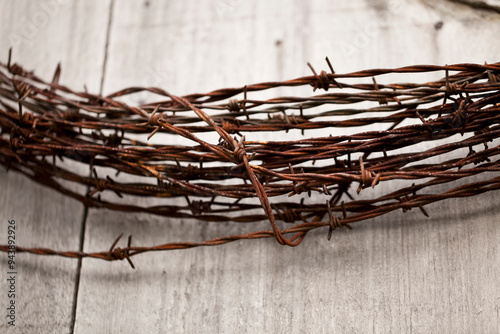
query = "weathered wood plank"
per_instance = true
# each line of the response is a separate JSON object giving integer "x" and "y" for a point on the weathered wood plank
{"x": 399, "y": 273}
{"x": 43, "y": 33}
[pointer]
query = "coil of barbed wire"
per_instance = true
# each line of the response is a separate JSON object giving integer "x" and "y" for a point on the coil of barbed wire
{"x": 239, "y": 179}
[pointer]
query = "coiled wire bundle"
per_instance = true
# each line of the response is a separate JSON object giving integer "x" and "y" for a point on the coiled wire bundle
{"x": 233, "y": 157}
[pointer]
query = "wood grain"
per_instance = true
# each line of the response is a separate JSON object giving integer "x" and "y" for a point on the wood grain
{"x": 398, "y": 273}
{"x": 42, "y": 34}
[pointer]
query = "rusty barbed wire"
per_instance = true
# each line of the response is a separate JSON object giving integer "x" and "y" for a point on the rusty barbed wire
{"x": 44, "y": 124}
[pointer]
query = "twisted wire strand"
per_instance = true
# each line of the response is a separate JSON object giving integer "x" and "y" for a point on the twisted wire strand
{"x": 43, "y": 122}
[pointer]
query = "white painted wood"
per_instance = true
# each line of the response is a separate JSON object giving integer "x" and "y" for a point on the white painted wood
{"x": 43, "y": 33}
{"x": 397, "y": 273}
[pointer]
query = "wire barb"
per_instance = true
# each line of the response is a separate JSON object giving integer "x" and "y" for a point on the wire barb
{"x": 242, "y": 178}
{"x": 117, "y": 253}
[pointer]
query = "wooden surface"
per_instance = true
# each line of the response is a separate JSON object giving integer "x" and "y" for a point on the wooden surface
{"x": 43, "y": 34}
{"x": 397, "y": 273}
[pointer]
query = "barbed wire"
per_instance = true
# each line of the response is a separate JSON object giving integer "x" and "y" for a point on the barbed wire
{"x": 415, "y": 132}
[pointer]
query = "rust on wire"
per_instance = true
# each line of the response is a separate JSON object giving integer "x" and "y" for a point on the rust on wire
{"x": 235, "y": 179}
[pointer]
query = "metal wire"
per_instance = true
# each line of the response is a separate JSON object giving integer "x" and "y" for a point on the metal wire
{"x": 40, "y": 121}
